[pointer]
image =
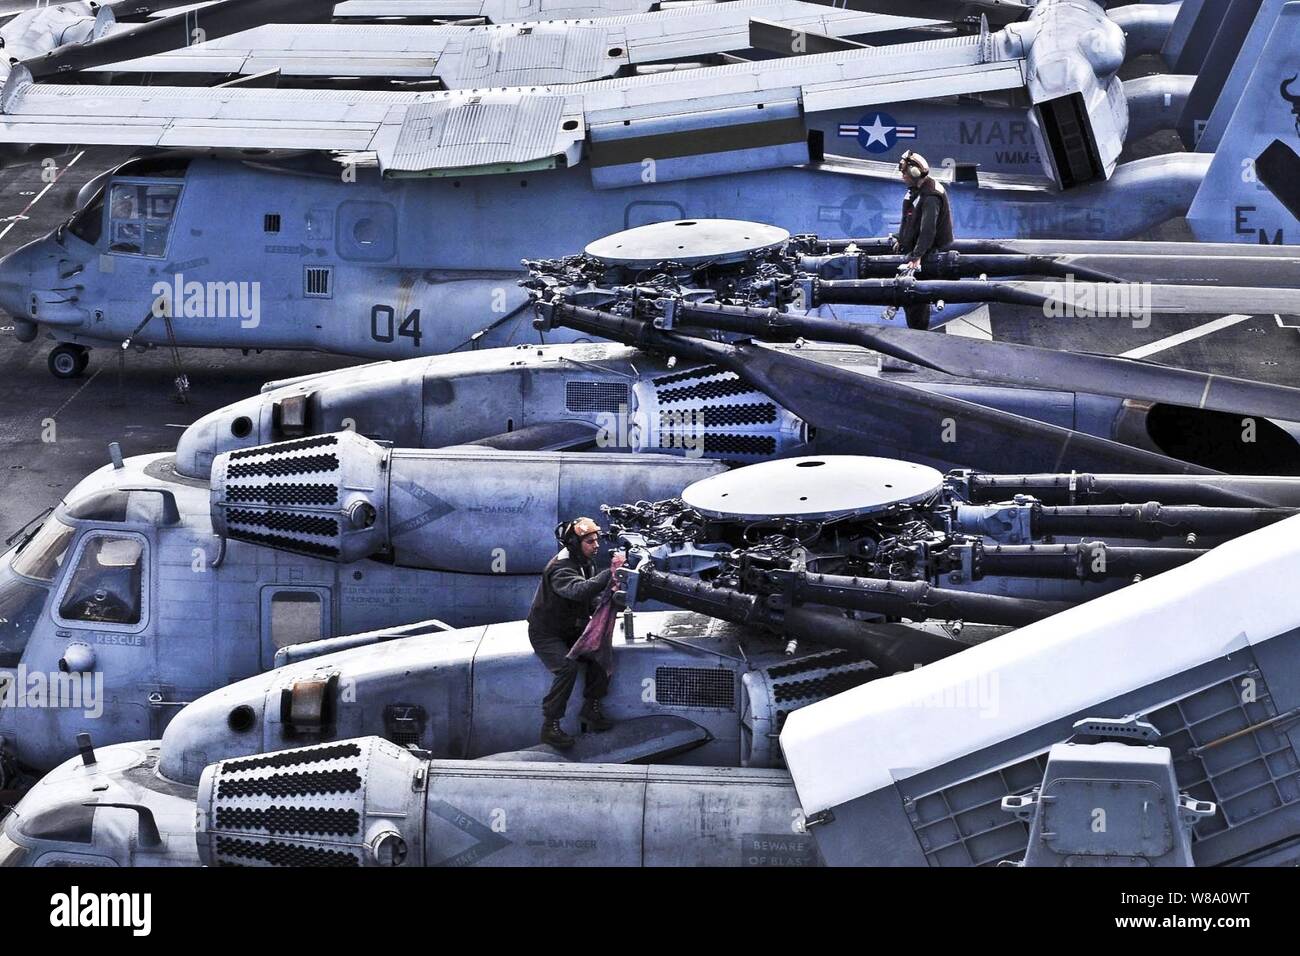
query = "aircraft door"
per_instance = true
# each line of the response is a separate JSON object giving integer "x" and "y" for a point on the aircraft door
{"x": 293, "y": 614}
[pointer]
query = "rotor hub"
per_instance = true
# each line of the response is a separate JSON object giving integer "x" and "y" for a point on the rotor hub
{"x": 818, "y": 488}
{"x": 688, "y": 241}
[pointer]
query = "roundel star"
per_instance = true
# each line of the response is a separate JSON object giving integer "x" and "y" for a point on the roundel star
{"x": 877, "y": 133}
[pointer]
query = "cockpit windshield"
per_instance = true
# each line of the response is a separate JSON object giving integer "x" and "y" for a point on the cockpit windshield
{"x": 88, "y": 224}
{"x": 42, "y": 556}
{"x": 140, "y": 216}
{"x": 24, "y": 586}
{"x": 21, "y": 603}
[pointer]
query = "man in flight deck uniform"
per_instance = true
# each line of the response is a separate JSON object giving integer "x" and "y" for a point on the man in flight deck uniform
{"x": 561, "y": 608}
{"x": 926, "y": 225}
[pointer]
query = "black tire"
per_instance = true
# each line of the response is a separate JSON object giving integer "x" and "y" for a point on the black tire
{"x": 83, "y": 360}
{"x": 67, "y": 361}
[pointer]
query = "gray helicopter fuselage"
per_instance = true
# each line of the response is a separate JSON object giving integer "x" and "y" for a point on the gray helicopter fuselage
{"x": 462, "y": 696}
{"x": 91, "y": 815}
{"x": 251, "y": 257}
{"x": 123, "y": 606}
{"x": 205, "y": 613}
{"x": 634, "y": 400}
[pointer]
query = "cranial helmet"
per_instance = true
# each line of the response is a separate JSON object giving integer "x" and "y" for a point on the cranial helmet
{"x": 914, "y": 165}
{"x": 569, "y": 533}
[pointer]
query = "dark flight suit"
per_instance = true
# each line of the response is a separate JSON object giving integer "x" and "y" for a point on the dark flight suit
{"x": 561, "y": 608}
{"x": 926, "y": 227}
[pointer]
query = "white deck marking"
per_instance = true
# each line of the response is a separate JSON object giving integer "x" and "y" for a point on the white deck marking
{"x": 57, "y": 176}
{"x": 975, "y": 325}
{"x": 1187, "y": 335}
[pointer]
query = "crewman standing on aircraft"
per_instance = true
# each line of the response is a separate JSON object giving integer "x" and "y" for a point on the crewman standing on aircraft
{"x": 561, "y": 609}
{"x": 926, "y": 224}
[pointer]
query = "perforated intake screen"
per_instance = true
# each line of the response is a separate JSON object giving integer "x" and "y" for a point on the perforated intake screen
{"x": 607, "y": 397}
{"x": 695, "y": 687}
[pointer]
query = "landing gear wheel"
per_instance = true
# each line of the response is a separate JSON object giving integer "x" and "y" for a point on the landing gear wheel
{"x": 68, "y": 361}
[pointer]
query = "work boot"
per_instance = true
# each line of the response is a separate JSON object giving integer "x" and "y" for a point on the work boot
{"x": 553, "y": 734}
{"x": 594, "y": 717}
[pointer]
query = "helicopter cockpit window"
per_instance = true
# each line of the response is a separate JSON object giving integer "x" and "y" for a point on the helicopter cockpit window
{"x": 107, "y": 582}
{"x": 25, "y": 586}
{"x": 88, "y": 224}
{"x": 42, "y": 556}
{"x": 140, "y": 217}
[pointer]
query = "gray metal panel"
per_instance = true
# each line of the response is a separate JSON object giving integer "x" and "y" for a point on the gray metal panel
{"x": 954, "y": 813}
{"x": 480, "y": 131}
{"x": 308, "y": 50}
{"x": 166, "y": 116}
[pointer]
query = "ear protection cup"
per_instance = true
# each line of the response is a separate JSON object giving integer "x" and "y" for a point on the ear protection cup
{"x": 564, "y": 534}
{"x": 914, "y": 165}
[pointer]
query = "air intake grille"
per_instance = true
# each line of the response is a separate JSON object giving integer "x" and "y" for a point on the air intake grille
{"x": 1069, "y": 136}
{"x": 287, "y": 494}
{"x": 816, "y": 677}
{"x": 317, "y": 282}
{"x": 291, "y": 820}
{"x": 754, "y": 413}
{"x": 404, "y": 724}
{"x": 1248, "y": 776}
{"x": 713, "y": 687}
{"x": 294, "y": 784}
{"x": 965, "y": 825}
{"x": 313, "y": 806}
{"x": 596, "y": 397}
{"x": 701, "y": 391}
{"x": 292, "y": 758}
{"x": 289, "y": 466}
{"x": 712, "y": 411}
{"x": 235, "y": 852}
{"x": 298, "y": 444}
{"x": 319, "y": 495}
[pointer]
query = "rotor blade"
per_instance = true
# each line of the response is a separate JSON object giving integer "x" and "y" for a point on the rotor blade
{"x": 893, "y": 419}
{"x": 955, "y": 265}
{"x": 1032, "y": 366}
{"x": 178, "y": 31}
{"x": 859, "y": 412}
{"x": 1140, "y": 300}
{"x": 1125, "y": 300}
{"x": 998, "y": 12}
{"x": 899, "y": 291}
{"x": 1007, "y": 363}
{"x": 1202, "y": 264}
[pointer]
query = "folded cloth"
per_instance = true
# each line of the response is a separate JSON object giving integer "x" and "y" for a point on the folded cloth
{"x": 597, "y": 640}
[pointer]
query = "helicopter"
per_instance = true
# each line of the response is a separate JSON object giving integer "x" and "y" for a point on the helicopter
{"x": 347, "y": 241}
